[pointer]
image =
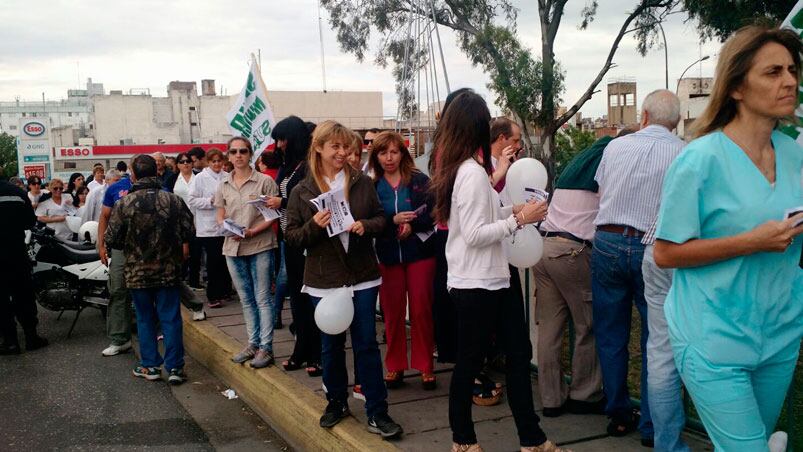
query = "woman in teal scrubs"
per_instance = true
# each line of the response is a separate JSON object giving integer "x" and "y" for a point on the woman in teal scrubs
{"x": 735, "y": 310}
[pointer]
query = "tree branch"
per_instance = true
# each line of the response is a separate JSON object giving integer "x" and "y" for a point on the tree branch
{"x": 562, "y": 119}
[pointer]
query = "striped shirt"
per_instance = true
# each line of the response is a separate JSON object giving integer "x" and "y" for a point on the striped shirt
{"x": 631, "y": 176}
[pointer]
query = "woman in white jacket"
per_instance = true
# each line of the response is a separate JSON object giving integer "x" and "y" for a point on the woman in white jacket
{"x": 201, "y": 194}
{"x": 478, "y": 276}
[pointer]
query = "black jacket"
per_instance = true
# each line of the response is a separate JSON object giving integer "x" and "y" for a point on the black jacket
{"x": 17, "y": 216}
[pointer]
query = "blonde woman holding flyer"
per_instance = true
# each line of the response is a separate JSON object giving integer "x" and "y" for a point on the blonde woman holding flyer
{"x": 346, "y": 260}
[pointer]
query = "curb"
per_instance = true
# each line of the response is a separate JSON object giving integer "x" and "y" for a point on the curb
{"x": 290, "y": 408}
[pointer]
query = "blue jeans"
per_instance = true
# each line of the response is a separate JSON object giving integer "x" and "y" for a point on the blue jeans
{"x": 663, "y": 379}
{"x": 616, "y": 284}
{"x": 281, "y": 284}
{"x": 251, "y": 276}
{"x": 162, "y": 304}
{"x": 366, "y": 356}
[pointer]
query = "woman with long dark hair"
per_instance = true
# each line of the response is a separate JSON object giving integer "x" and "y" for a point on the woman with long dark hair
{"x": 735, "y": 308}
{"x": 293, "y": 138}
{"x": 478, "y": 273}
{"x": 76, "y": 181}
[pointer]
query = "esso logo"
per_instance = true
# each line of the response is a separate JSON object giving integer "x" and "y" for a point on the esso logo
{"x": 75, "y": 152}
{"x": 34, "y": 129}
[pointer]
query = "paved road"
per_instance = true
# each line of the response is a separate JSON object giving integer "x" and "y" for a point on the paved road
{"x": 66, "y": 396}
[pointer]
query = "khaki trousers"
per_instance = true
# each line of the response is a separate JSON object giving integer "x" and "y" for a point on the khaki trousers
{"x": 563, "y": 289}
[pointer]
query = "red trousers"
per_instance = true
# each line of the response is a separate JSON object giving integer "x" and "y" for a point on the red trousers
{"x": 401, "y": 283}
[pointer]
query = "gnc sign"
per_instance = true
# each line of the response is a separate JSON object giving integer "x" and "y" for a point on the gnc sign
{"x": 34, "y": 129}
{"x": 73, "y": 153}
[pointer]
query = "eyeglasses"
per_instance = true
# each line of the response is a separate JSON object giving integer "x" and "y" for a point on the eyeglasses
{"x": 184, "y": 161}
{"x": 241, "y": 151}
{"x": 215, "y": 161}
{"x": 34, "y": 183}
{"x": 57, "y": 189}
{"x": 367, "y": 141}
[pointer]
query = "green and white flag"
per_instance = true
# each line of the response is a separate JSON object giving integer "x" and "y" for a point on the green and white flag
{"x": 251, "y": 116}
{"x": 794, "y": 21}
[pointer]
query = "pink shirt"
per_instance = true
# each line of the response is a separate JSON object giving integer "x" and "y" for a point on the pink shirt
{"x": 572, "y": 211}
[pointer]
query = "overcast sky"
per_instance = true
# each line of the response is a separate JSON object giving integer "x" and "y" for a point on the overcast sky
{"x": 54, "y": 45}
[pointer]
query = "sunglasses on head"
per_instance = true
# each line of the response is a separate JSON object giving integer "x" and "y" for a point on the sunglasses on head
{"x": 184, "y": 161}
{"x": 241, "y": 151}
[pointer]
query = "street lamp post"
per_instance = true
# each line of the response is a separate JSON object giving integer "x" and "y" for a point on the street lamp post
{"x": 677, "y": 87}
{"x": 666, "y": 57}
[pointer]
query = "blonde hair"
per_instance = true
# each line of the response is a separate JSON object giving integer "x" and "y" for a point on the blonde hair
{"x": 356, "y": 144}
{"x": 327, "y": 131}
{"x": 55, "y": 181}
{"x": 735, "y": 61}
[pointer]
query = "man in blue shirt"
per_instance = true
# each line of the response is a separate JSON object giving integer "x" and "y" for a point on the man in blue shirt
{"x": 118, "y": 318}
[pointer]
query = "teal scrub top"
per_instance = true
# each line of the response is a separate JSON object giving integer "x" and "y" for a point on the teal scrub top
{"x": 742, "y": 310}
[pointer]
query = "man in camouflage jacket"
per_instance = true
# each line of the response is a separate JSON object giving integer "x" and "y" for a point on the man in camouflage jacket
{"x": 153, "y": 228}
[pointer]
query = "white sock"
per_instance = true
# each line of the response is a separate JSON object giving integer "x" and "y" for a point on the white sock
{"x": 778, "y": 442}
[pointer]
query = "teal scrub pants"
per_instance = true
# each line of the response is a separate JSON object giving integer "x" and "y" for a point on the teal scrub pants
{"x": 738, "y": 404}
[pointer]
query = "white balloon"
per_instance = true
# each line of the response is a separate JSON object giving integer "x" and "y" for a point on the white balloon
{"x": 334, "y": 312}
{"x": 524, "y": 248}
{"x": 526, "y": 172}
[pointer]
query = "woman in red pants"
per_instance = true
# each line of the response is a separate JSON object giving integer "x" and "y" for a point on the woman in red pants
{"x": 406, "y": 259}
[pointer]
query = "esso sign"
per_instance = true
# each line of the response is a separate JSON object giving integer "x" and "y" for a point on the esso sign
{"x": 76, "y": 152}
{"x": 34, "y": 129}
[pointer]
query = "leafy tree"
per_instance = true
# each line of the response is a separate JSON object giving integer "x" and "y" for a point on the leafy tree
{"x": 568, "y": 143}
{"x": 527, "y": 86}
{"x": 8, "y": 155}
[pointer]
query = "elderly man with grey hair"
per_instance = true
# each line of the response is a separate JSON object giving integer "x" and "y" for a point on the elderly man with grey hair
{"x": 630, "y": 177}
{"x": 163, "y": 173}
{"x": 94, "y": 201}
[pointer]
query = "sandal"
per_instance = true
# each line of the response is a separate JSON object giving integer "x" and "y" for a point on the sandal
{"x": 393, "y": 379}
{"x": 291, "y": 365}
{"x": 548, "y": 446}
{"x": 314, "y": 370}
{"x": 486, "y": 392}
{"x": 428, "y": 381}
{"x": 466, "y": 447}
{"x": 620, "y": 427}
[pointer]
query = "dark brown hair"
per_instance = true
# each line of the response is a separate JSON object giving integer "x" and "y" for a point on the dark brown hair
{"x": 382, "y": 142}
{"x": 501, "y": 126}
{"x": 735, "y": 60}
{"x": 463, "y": 132}
{"x": 244, "y": 140}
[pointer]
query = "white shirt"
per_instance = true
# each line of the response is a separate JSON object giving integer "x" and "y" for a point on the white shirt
{"x": 93, "y": 205}
{"x": 199, "y": 197}
{"x": 477, "y": 226}
{"x": 49, "y": 208}
{"x": 182, "y": 189}
{"x": 631, "y": 176}
{"x": 336, "y": 184}
{"x": 93, "y": 184}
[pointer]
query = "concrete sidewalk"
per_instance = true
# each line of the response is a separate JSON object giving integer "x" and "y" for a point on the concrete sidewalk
{"x": 293, "y": 401}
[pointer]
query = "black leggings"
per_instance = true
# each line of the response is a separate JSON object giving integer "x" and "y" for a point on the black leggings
{"x": 308, "y": 338}
{"x": 218, "y": 285}
{"x": 480, "y": 313}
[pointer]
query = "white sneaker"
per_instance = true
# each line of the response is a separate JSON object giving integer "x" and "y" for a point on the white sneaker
{"x": 778, "y": 442}
{"x": 199, "y": 315}
{"x": 112, "y": 350}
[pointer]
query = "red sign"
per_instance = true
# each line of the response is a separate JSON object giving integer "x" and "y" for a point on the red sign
{"x": 75, "y": 152}
{"x": 34, "y": 170}
{"x": 34, "y": 129}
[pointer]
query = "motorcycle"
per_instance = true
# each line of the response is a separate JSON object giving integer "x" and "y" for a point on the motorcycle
{"x": 68, "y": 275}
